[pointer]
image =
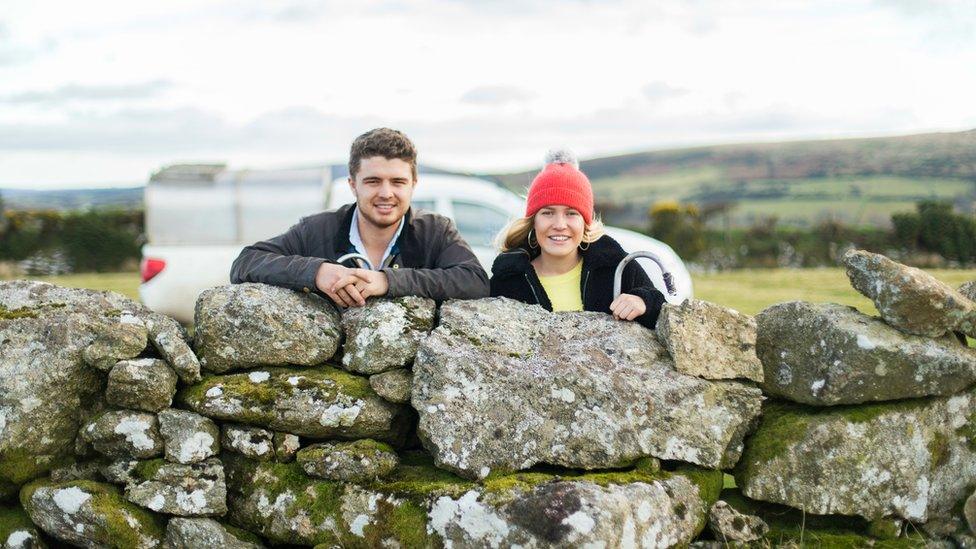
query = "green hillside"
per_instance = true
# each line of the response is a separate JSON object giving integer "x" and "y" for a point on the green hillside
{"x": 857, "y": 181}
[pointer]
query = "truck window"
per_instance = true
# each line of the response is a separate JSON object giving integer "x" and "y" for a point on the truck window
{"x": 478, "y": 223}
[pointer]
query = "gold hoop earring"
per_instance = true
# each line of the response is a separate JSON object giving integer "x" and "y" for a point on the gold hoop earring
{"x": 586, "y": 248}
{"x": 529, "y": 239}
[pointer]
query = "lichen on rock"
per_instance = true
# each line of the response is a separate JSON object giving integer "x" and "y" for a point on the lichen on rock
{"x": 383, "y": 335}
{"x": 710, "y": 341}
{"x": 908, "y": 298}
{"x": 191, "y": 490}
{"x": 827, "y": 354}
{"x": 92, "y": 514}
{"x": 321, "y": 402}
{"x": 910, "y": 459}
{"x": 248, "y": 325}
{"x": 500, "y": 386}
{"x": 146, "y": 384}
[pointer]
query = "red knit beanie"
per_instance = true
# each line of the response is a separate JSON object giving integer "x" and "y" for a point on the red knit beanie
{"x": 561, "y": 183}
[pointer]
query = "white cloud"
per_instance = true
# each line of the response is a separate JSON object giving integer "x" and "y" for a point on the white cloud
{"x": 480, "y": 86}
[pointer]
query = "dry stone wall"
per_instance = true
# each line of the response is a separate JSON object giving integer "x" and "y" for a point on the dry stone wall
{"x": 487, "y": 423}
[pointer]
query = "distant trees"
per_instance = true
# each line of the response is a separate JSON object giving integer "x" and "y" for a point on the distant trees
{"x": 88, "y": 240}
{"x": 680, "y": 226}
{"x": 934, "y": 227}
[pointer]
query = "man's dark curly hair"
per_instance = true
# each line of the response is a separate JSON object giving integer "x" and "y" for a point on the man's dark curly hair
{"x": 384, "y": 142}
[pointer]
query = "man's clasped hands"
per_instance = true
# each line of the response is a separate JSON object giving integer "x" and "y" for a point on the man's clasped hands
{"x": 350, "y": 287}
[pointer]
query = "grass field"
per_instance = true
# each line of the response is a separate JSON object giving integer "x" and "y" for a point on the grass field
{"x": 748, "y": 291}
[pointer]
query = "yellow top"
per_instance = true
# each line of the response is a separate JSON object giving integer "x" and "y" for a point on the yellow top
{"x": 564, "y": 290}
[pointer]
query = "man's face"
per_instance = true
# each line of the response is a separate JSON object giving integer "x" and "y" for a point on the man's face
{"x": 383, "y": 188}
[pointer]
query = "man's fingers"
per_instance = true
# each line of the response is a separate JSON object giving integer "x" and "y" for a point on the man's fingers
{"x": 336, "y": 298}
{"x": 345, "y": 280}
{"x": 354, "y": 295}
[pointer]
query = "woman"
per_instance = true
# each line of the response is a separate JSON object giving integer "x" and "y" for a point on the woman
{"x": 558, "y": 257}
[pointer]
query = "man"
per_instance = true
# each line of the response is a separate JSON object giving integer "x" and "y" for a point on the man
{"x": 412, "y": 253}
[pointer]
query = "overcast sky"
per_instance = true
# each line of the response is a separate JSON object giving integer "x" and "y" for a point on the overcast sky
{"x": 102, "y": 92}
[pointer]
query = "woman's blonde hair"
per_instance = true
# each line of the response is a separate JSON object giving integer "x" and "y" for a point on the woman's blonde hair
{"x": 516, "y": 233}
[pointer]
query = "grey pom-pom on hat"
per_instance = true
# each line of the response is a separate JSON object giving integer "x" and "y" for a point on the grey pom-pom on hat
{"x": 562, "y": 156}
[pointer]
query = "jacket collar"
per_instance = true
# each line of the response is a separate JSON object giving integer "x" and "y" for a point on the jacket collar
{"x": 406, "y": 245}
{"x": 604, "y": 252}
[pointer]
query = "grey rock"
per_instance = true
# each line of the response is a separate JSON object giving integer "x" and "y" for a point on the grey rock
{"x": 246, "y": 325}
{"x": 383, "y": 334}
{"x": 319, "y": 402}
{"x": 171, "y": 341}
{"x": 84, "y": 470}
{"x": 120, "y": 471}
{"x": 910, "y": 459}
{"x": 969, "y": 511}
{"x": 90, "y": 514}
{"x": 43, "y": 379}
{"x": 200, "y": 533}
{"x": 192, "y": 490}
{"x": 665, "y": 509}
{"x": 286, "y": 446}
{"x": 910, "y": 299}
{"x": 252, "y": 442}
{"x": 573, "y": 514}
{"x": 969, "y": 290}
{"x": 146, "y": 384}
{"x": 826, "y": 354}
{"x": 710, "y": 341}
{"x": 501, "y": 385}
{"x": 46, "y": 386}
{"x": 729, "y": 525}
{"x": 125, "y": 434}
{"x": 189, "y": 437}
{"x": 123, "y": 338}
{"x": 356, "y": 461}
{"x": 393, "y": 385}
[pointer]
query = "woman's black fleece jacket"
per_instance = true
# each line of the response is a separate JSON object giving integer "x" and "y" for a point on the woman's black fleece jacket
{"x": 513, "y": 276}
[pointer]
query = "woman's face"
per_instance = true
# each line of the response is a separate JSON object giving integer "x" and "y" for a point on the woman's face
{"x": 559, "y": 230}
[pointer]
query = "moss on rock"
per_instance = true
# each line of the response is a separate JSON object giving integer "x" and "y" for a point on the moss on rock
{"x": 788, "y": 526}
{"x": 109, "y": 519}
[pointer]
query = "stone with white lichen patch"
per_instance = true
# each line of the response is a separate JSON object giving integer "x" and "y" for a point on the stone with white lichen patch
{"x": 246, "y": 325}
{"x": 286, "y": 445}
{"x": 709, "y": 341}
{"x": 912, "y": 459}
{"x": 252, "y": 442}
{"x": 826, "y": 354}
{"x": 192, "y": 490}
{"x": 321, "y": 402}
{"x": 355, "y": 461}
{"x": 124, "y": 433}
{"x": 90, "y": 514}
{"x": 189, "y": 437}
{"x": 910, "y": 299}
{"x": 383, "y": 335}
{"x": 146, "y": 384}
{"x": 501, "y": 386}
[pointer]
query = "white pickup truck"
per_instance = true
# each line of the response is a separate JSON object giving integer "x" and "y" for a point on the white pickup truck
{"x": 200, "y": 216}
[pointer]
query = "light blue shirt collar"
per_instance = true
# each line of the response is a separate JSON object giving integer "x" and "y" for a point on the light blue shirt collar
{"x": 357, "y": 240}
